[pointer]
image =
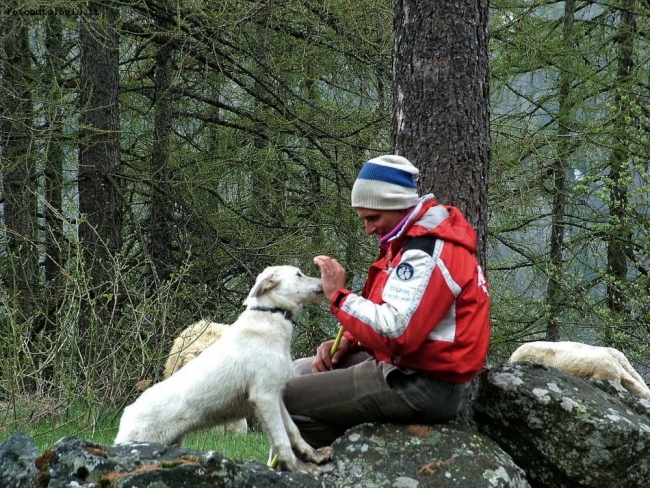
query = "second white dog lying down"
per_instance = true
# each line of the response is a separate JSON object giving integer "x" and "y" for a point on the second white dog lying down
{"x": 189, "y": 344}
{"x": 244, "y": 372}
{"x": 585, "y": 361}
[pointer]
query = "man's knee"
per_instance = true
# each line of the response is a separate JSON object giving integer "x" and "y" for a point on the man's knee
{"x": 302, "y": 366}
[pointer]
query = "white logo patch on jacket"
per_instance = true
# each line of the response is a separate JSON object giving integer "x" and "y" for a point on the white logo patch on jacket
{"x": 405, "y": 271}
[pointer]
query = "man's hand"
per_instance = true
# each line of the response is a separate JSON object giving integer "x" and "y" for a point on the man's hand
{"x": 332, "y": 274}
{"x": 323, "y": 361}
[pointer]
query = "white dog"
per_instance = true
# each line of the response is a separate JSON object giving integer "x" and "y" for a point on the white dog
{"x": 585, "y": 361}
{"x": 189, "y": 344}
{"x": 244, "y": 372}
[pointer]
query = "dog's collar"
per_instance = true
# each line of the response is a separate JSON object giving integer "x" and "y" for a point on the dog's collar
{"x": 286, "y": 313}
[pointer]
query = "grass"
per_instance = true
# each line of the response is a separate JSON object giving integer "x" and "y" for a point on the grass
{"x": 46, "y": 422}
{"x": 250, "y": 447}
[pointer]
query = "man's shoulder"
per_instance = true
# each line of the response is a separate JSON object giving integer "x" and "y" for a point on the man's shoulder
{"x": 420, "y": 243}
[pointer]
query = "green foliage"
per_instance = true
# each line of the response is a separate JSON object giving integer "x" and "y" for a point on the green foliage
{"x": 272, "y": 110}
{"x": 253, "y": 446}
{"x": 592, "y": 137}
{"x": 47, "y": 420}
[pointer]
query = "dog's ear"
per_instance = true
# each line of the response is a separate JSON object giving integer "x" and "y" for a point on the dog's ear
{"x": 263, "y": 285}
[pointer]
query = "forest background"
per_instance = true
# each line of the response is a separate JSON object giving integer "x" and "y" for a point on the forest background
{"x": 156, "y": 155}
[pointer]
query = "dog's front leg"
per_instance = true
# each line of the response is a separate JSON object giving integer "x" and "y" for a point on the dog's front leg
{"x": 307, "y": 452}
{"x": 268, "y": 412}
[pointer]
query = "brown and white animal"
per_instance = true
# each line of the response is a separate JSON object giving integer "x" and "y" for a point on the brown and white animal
{"x": 188, "y": 345}
{"x": 585, "y": 361}
{"x": 244, "y": 372}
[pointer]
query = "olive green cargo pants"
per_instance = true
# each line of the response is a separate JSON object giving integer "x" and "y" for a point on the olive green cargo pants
{"x": 361, "y": 389}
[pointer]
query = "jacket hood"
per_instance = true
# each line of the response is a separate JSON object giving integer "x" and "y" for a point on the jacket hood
{"x": 440, "y": 221}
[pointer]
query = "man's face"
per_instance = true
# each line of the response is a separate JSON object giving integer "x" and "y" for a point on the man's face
{"x": 379, "y": 222}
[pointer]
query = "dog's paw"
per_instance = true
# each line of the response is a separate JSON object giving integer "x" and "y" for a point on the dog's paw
{"x": 318, "y": 456}
{"x": 322, "y": 455}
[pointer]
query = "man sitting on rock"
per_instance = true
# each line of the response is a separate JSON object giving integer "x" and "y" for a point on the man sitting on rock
{"x": 419, "y": 331}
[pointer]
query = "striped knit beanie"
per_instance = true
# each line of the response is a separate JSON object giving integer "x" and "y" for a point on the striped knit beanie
{"x": 386, "y": 183}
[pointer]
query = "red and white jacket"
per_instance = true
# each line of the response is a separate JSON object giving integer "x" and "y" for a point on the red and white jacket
{"x": 425, "y": 304}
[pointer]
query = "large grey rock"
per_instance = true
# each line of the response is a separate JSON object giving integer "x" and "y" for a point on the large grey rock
{"x": 78, "y": 462}
{"x": 410, "y": 456}
{"x": 564, "y": 431}
{"x": 369, "y": 455}
{"x": 17, "y": 455}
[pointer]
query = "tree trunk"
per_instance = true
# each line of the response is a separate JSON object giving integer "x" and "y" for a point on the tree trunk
{"x": 554, "y": 295}
{"x": 162, "y": 205}
{"x": 441, "y": 105}
{"x": 269, "y": 176}
{"x": 619, "y": 236}
{"x": 100, "y": 226}
{"x": 20, "y": 274}
{"x": 53, "y": 204}
{"x": 268, "y": 185}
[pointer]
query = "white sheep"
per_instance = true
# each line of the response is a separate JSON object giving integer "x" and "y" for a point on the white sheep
{"x": 585, "y": 361}
{"x": 189, "y": 344}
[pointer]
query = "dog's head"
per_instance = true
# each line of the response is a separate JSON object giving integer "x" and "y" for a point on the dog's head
{"x": 285, "y": 287}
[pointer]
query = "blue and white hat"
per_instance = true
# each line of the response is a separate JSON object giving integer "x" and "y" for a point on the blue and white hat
{"x": 386, "y": 183}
